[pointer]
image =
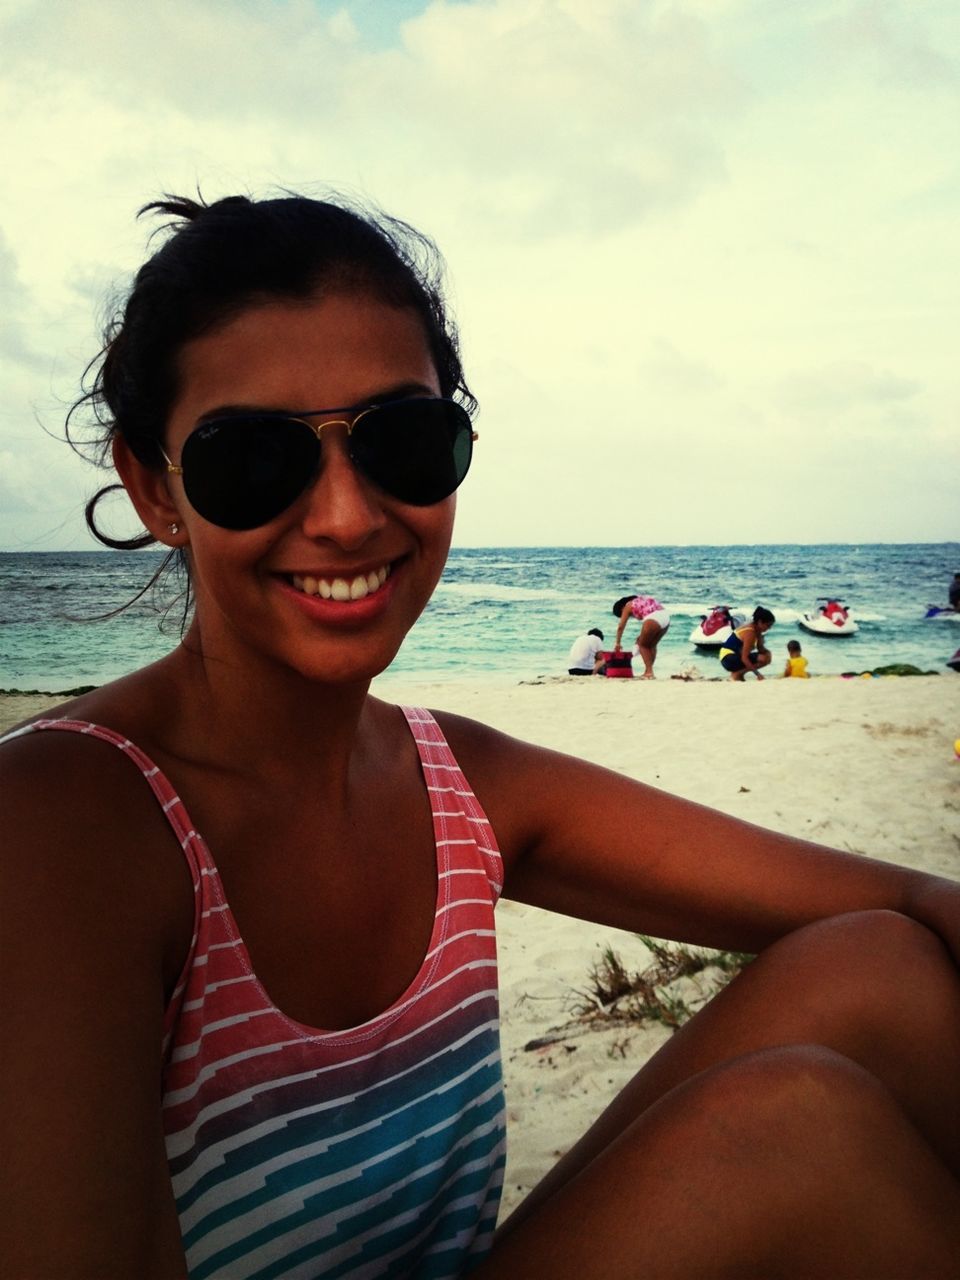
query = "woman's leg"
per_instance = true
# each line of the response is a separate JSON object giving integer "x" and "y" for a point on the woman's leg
{"x": 874, "y": 987}
{"x": 733, "y": 663}
{"x": 786, "y": 1162}
{"x": 647, "y": 642}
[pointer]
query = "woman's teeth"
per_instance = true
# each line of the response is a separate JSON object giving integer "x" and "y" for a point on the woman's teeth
{"x": 364, "y": 584}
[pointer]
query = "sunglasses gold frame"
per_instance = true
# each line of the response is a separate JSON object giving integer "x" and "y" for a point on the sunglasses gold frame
{"x": 300, "y": 416}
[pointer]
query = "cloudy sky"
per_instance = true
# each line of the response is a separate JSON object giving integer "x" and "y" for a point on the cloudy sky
{"x": 703, "y": 254}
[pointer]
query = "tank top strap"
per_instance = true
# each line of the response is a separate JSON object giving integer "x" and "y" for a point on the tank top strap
{"x": 203, "y": 873}
{"x": 460, "y": 824}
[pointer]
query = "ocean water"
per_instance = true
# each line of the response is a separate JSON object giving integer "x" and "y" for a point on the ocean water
{"x": 511, "y": 613}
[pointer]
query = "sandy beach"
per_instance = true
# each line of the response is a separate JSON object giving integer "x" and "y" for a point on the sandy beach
{"x": 865, "y": 765}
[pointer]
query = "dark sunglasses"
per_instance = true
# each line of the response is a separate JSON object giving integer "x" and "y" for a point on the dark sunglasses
{"x": 242, "y": 470}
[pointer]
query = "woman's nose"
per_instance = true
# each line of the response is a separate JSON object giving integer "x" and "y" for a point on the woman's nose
{"x": 342, "y": 505}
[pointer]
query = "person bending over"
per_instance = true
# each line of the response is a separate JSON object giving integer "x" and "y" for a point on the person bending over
{"x": 654, "y": 621}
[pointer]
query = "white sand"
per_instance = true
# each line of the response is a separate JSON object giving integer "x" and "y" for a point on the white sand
{"x": 863, "y": 765}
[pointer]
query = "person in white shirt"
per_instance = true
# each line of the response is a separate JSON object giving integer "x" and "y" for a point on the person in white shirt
{"x": 586, "y": 654}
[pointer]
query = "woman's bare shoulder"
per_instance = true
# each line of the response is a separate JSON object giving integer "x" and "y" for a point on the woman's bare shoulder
{"x": 480, "y": 746}
{"x": 70, "y": 785}
{"x": 488, "y": 748}
{"x": 87, "y": 845}
{"x": 38, "y": 763}
{"x": 517, "y": 782}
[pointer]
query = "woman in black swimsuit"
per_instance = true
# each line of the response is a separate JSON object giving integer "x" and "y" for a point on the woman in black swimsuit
{"x": 744, "y": 650}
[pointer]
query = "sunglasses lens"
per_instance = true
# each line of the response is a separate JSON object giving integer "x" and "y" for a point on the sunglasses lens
{"x": 240, "y": 474}
{"x": 418, "y": 451}
{"x": 243, "y": 472}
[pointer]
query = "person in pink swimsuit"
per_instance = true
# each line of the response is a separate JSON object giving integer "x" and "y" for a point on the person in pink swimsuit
{"x": 654, "y": 620}
{"x": 249, "y": 996}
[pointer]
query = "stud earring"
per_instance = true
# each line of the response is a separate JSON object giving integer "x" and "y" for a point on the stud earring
{"x": 174, "y": 528}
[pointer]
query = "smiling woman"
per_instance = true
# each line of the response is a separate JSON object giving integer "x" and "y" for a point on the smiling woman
{"x": 284, "y": 1031}
{"x": 250, "y": 471}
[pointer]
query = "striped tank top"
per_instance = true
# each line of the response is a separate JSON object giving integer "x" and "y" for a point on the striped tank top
{"x": 373, "y": 1151}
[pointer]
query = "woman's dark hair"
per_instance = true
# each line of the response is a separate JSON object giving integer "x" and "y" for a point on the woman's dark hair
{"x": 595, "y": 631}
{"x": 223, "y": 257}
{"x": 618, "y": 607}
{"x": 760, "y": 614}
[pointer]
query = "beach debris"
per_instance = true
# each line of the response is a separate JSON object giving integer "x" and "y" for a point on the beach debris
{"x": 902, "y": 669}
{"x": 743, "y": 789}
{"x": 544, "y": 1042}
{"x": 678, "y": 982}
{"x": 884, "y": 729}
{"x": 618, "y": 1048}
{"x": 48, "y": 693}
{"x": 891, "y": 669}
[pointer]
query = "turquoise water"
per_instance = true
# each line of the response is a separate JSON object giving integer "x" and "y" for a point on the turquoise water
{"x": 511, "y": 613}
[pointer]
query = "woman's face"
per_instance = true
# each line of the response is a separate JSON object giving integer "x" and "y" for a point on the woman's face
{"x": 270, "y": 593}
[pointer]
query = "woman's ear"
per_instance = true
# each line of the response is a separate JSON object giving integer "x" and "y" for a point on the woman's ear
{"x": 151, "y": 498}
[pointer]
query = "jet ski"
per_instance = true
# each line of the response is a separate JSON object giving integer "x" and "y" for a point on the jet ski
{"x": 831, "y": 617}
{"x": 941, "y": 611}
{"x": 714, "y": 627}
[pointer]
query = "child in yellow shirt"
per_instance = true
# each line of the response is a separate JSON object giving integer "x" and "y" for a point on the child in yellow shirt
{"x": 796, "y": 662}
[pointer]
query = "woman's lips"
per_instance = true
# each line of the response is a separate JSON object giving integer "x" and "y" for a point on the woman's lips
{"x": 348, "y": 599}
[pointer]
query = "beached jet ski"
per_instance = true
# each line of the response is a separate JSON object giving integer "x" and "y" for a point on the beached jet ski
{"x": 714, "y": 627}
{"x": 831, "y": 617}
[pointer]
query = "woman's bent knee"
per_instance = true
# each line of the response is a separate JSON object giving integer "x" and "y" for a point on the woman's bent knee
{"x": 726, "y": 1164}
{"x": 773, "y": 1092}
{"x": 889, "y": 929}
{"x": 873, "y": 950}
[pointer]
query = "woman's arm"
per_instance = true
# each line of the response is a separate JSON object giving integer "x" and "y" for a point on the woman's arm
{"x": 591, "y": 843}
{"x": 624, "y": 619}
{"x": 88, "y": 901}
{"x": 747, "y": 646}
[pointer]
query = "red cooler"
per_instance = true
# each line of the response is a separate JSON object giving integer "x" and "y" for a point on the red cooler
{"x": 618, "y": 665}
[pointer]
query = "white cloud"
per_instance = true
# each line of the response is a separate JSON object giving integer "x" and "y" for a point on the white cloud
{"x": 846, "y": 385}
